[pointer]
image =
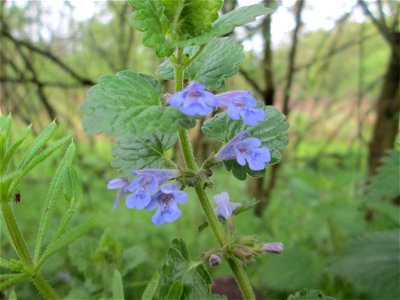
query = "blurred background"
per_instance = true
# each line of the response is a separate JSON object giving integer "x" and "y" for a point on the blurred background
{"x": 332, "y": 67}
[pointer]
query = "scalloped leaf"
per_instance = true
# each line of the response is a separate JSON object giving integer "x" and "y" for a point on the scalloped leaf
{"x": 272, "y": 132}
{"x": 191, "y": 17}
{"x": 129, "y": 102}
{"x": 220, "y": 59}
{"x": 149, "y": 17}
{"x": 135, "y": 153}
{"x": 226, "y": 23}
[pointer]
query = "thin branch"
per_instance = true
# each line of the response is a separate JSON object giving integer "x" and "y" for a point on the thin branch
{"x": 49, "y": 55}
{"x": 385, "y": 32}
{"x": 251, "y": 81}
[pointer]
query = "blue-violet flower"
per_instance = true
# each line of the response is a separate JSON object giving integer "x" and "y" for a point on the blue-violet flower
{"x": 166, "y": 200}
{"x": 241, "y": 104}
{"x": 194, "y": 100}
{"x": 118, "y": 184}
{"x": 275, "y": 248}
{"x": 224, "y": 208}
{"x": 245, "y": 150}
{"x": 146, "y": 185}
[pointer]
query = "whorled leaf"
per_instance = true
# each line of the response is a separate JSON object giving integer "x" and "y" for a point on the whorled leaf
{"x": 272, "y": 132}
{"x": 220, "y": 59}
{"x": 129, "y": 102}
{"x": 147, "y": 152}
{"x": 226, "y": 23}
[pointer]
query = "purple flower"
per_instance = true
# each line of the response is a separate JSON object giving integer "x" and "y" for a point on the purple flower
{"x": 146, "y": 185}
{"x": 275, "y": 248}
{"x": 194, "y": 100}
{"x": 224, "y": 208}
{"x": 166, "y": 200}
{"x": 118, "y": 184}
{"x": 245, "y": 150}
{"x": 241, "y": 104}
{"x": 214, "y": 260}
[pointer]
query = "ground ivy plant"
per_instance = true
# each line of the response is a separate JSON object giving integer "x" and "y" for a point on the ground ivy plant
{"x": 148, "y": 121}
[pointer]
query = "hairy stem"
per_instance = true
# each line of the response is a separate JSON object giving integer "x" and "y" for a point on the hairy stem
{"x": 186, "y": 146}
{"x": 22, "y": 250}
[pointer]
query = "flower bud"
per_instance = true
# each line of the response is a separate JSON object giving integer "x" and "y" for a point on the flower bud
{"x": 214, "y": 260}
{"x": 275, "y": 248}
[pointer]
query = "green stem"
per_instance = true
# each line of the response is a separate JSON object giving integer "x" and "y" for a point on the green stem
{"x": 15, "y": 233}
{"x": 45, "y": 289}
{"x": 186, "y": 146}
{"x": 22, "y": 250}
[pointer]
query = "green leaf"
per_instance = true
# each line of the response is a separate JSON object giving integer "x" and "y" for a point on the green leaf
{"x": 37, "y": 160}
{"x": 53, "y": 195}
{"x": 149, "y": 17}
{"x": 371, "y": 262}
{"x": 129, "y": 102}
{"x": 13, "y": 295}
{"x": 151, "y": 287}
{"x": 175, "y": 291}
{"x": 133, "y": 257}
{"x": 13, "y": 148}
{"x": 37, "y": 145}
{"x": 220, "y": 59}
{"x": 81, "y": 254}
{"x": 191, "y": 18}
{"x": 385, "y": 184}
{"x": 226, "y": 24}
{"x": 67, "y": 238}
{"x": 305, "y": 294}
{"x": 272, "y": 132}
{"x": 135, "y": 153}
{"x": 195, "y": 278}
{"x": 282, "y": 271}
{"x": 117, "y": 287}
{"x": 13, "y": 280}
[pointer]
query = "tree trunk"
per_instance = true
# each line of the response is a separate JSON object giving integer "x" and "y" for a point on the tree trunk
{"x": 256, "y": 186}
{"x": 299, "y": 5}
{"x": 388, "y": 108}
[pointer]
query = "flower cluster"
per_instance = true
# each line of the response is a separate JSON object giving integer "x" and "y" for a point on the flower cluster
{"x": 245, "y": 150}
{"x": 147, "y": 191}
{"x": 196, "y": 101}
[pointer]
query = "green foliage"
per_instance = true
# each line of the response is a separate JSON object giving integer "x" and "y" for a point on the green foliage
{"x": 385, "y": 184}
{"x": 149, "y": 17}
{"x": 220, "y": 59}
{"x": 173, "y": 24}
{"x": 226, "y": 23}
{"x": 95, "y": 259}
{"x": 371, "y": 262}
{"x": 181, "y": 276}
{"x": 117, "y": 288}
{"x": 134, "y": 153}
{"x": 129, "y": 102}
{"x": 291, "y": 263}
{"x": 305, "y": 294}
{"x": 191, "y": 17}
{"x": 64, "y": 185}
{"x": 151, "y": 287}
{"x": 272, "y": 132}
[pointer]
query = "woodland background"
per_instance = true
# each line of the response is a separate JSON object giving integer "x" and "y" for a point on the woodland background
{"x": 330, "y": 200}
